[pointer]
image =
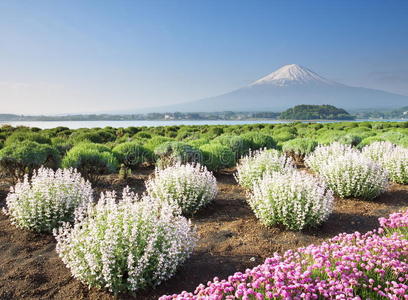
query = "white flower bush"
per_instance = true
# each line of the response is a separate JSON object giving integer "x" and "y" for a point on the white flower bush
{"x": 396, "y": 165}
{"x": 125, "y": 245}
{"x": 353, "y": 175}
{"x": 189, "y": 186}
{"x": 252, "y": 167}
{"x": 48, "y": 199}
{"x": 394, "y": 159}
{"x": 377, "y": 151}
{"x": 323, "y": 154}
{"x": 295, "y": 200}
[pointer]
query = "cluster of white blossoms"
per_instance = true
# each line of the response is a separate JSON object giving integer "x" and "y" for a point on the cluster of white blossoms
{"x": 394, "y": 159}
{"x": 251, "y": 168}
{"x": 354, "y": 175}
{"x": 48, "y": 199}
{"x": 377, "y": 151}
{"x": 323, "y": 154}
{"x": 125, "y": 245}
{"x": 294, "y": 199}
{"x": 189, "y": 186}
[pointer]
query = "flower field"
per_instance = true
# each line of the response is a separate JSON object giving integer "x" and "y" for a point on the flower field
{"x": 225, "y": 222}
{"x": 353, "y": 266}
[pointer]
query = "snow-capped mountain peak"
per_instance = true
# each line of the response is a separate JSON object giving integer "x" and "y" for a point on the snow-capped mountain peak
{"x": 289, "y": 86}
{"x": 292, "y": 74}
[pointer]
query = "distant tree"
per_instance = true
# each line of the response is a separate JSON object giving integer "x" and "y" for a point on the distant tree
{"x": 315, "y": 112}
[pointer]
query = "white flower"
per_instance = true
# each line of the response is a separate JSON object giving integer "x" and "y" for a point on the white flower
{"x": 125, "y": 245}
{"x": 189, "y": 186}
{"x": 295, "y": 200}
{"x": 353, "y": 175}
{"x": 394, "y": 159}
{"x": 47, "y": 199}
{"x": 252, "y": 167}
{"x": 323, "y": 154}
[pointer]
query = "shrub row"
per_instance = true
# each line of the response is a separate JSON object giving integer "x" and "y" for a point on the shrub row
{"x": 93, "y": 160}
{"x": 280, "y": 194}
{"x": 210, "y": 145}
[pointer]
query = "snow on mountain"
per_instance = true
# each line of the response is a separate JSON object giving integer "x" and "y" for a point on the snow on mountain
{"x": 292, "y": 74}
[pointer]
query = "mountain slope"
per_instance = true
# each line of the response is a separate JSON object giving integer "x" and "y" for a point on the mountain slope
{"x": 289, "y": 86}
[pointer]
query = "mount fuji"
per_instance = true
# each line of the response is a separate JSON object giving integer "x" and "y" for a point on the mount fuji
{"x": 288, "y": 86}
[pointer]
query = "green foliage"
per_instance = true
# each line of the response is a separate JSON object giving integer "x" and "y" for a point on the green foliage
{"x": 186, "y": 133}
{"x": 155, "y": 141}
{"x": 61, "y": 144}
{"x": 350, "y": 139}
{"x": 259, "y": 141}
{"x": 94, "y": 136}
{"x": 283, "y": 137}
{"x": 132, "y": 154}
{"x": 170, "y": 153}
{"x": 237, "y": 138}
{"x": 370, "y": 140}
{"x": 199, "y": 142}
{"x": 215, "y": 131}
{"x": 91, "y": 160}
{"x": 26, "y": 156}
{"x": 237, "y": 144}
{"x": 59, "y": 131}
{"x": 282, "y": 134}
{"x": 217, "y": 156}
{"x": 143, "y": 135}
{"x": 131, "y": 130}
{"x": 315, "y": 112}
{"x": 299, "y": 148}
{"x": 393, "y": 136}
{"x": 20, "y": 136}
{"x": 402, "y": 142}
{"x": 327, "y": 136}
{"x": 94, "y": 146}
{"x": 404, "y": 124}
{"x": 289, "y": 128}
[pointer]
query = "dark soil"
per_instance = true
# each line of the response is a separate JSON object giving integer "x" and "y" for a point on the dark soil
{"x": 231, "y": 239}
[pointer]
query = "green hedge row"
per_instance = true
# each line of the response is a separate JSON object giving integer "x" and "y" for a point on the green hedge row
{"x": 99, "y": 151}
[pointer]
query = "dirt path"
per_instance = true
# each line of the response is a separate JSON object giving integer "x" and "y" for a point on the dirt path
{"x": 231, "y": 239}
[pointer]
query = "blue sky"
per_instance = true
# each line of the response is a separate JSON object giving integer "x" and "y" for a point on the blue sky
{"x": 90, "y": 56}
